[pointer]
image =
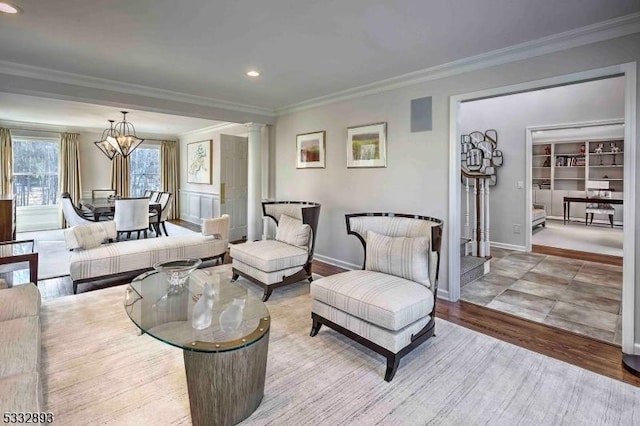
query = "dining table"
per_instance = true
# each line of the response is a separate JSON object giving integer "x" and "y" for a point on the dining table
{"x": 107, "y": 206}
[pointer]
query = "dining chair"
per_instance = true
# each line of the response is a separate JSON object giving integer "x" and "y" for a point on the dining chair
{"x": 165, "y": 210}
{"x": 131, "y": 215}
{"x": 155, "y": 196}
{"x": 72, "y": 214}
{"x": 102, "y": 193}
{"x": 147, "y": 193}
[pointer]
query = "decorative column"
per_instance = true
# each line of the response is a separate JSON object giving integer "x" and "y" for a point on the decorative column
{"x": 254, "y": 183}
{"x": 481, "y": 208}
{"x": 467, "y": 215}
{"x": 487, "y": 220}
{"x": 476, "y": 232}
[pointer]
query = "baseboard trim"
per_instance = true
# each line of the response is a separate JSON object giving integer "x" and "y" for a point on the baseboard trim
{"x": 579, "y": 255}
{"x": 508, "y": 246}
{"x": 444, "y": 295}
{"x": 337, "y": 262}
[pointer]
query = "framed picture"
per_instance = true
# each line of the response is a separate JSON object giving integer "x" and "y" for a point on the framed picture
{"x": 367, "y": 146}
{"x": 310, "y": 152}
{"x": 199, "y": 162}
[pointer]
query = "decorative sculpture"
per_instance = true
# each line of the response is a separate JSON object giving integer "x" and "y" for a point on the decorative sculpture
{"x": 480, "y": 153}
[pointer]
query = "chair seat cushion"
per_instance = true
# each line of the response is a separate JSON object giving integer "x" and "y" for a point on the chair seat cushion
{"x": 537, "y": 214}
{"x": 385, "y": 300}
{"x": 19, "y": 301}
{"x": 269, "y": 255}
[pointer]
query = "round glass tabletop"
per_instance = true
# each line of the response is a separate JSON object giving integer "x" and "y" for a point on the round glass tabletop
{"x": 208, "y": 314}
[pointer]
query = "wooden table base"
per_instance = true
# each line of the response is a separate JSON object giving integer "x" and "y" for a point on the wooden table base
{"x": 226, "y": 387}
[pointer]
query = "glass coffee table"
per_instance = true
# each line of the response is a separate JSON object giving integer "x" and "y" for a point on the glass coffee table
{"x": 224, "y": 345}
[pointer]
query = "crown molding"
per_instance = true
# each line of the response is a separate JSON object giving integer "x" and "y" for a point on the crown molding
{"x": 56, "y": 128}
{"x": 41, "y": 127}
{"x": 29, "y": 71}
{"x": 209, "y": 129}
{"x": 601, "y": 31}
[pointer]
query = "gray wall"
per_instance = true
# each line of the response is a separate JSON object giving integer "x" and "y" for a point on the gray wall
{"x": 510, "y": 115}
{"x": 416, "y": 179}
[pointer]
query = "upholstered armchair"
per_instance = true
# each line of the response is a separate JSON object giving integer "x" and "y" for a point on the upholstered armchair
{"x": 287, "y": 259}
{"x": 388, "y": 306}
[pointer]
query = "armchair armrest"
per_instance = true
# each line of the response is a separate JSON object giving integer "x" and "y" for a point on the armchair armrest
{"x": 218, "y": 227}
{"x": 539, "y": 206}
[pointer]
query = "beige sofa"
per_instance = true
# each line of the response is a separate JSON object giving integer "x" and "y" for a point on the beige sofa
{"x": 117, "y": 262}
{"x": 20, "y": 377}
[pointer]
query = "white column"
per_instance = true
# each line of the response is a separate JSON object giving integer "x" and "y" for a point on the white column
{"x": 254, "y": 183}
{"x": 467, "y": 215}
{"x": 487, "y": 238}
{"x": 481, "y": 211}
{"x": 474, "y": 221}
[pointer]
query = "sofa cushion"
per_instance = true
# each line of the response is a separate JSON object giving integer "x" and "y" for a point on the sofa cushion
{"x": 90, "y": 235}
{"x": 21, "y": 393}
{"x": 19, "y": 345}
{"x": 125, "y": 256}
{"x": 385, "y": 300}
{"x": 538, "y": 214}
{"x": 269, "y": 255}
{"x": 400, "y": 256}
{"x": 293, "y": 231}
{"x": 19, "y": 301}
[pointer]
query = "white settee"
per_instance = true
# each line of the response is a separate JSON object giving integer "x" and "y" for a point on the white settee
{"x": 92, "y": 261}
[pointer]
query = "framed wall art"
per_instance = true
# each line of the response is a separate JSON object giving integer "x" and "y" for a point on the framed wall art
{"x": 310, "y": 150}
{"x": 199, "y": 162}
{"x": 367, "y": 145}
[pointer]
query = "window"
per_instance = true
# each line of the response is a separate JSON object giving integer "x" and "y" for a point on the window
{"x": 144, "y": 168}
{"x": 35, "y": 171}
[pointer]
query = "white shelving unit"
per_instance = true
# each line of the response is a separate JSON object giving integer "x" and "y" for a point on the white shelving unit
{"x": 562, "y": 168}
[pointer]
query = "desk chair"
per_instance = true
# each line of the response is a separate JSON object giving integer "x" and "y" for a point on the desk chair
{"x": 598, "y": 189}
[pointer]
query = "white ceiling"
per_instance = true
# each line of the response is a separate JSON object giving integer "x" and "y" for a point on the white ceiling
{"x": 304, "y": 48}
{"x": 16, "y": 109}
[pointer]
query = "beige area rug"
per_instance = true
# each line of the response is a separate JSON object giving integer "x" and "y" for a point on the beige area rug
{"x": 97, "y": 370}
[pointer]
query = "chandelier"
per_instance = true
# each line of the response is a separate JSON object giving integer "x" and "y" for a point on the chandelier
{"x": 125, "y": 139}
{"x": 104, "y": 145}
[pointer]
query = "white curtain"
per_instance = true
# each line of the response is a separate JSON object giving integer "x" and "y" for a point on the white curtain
{"x": 6, "y": 161}
{"x": 120, "y": 175}
{"x": 70, "y": 168}
{"x": 169, "y": 173}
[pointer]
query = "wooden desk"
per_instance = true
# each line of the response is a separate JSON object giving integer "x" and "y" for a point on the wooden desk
{"x": 569, "y": 200}
{"x": 104, "y": 206}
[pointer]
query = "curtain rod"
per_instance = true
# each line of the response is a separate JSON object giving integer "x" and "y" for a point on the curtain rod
{"x": 59, "y": 131}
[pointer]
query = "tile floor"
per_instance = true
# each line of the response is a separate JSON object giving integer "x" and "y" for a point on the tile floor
{"x": 575, "y": 295}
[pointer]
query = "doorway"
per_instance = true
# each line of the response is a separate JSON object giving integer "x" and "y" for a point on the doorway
{"x": 628, "y": 289}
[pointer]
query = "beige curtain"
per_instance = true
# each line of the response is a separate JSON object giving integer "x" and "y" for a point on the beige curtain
{"x": 169, "y": 173}
{"x": 6, "y": 161}
{"x": 70, "y": 168}
{"x": 120, "y": 175}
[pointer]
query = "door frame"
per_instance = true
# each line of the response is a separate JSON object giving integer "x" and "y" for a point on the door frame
{"x": 628, "y": 70}
{"x": 529, "y": 162}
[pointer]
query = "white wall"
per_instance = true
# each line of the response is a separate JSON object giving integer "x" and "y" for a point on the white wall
{"x": 416, "y": 179}
{"x": 234, "y": 130}
{"x": 510, "y": 115}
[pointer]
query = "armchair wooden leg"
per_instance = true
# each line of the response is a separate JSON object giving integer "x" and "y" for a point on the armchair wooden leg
{"x": 235, "y": 277}
{"x": 164, "y": 227}
{"x": 393, "y": 362}
{"x": 611, "y": 220}
{"x": 315, "y": 327}
{"x": 586, "y": 219}
{"x": 267, "y": 294}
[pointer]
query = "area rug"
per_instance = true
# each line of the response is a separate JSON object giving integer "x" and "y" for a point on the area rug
{"x": 98, "y": 370}
{"x": 54, "y": 258}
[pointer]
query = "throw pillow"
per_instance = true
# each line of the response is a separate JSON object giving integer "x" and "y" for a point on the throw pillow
{"x": 400, "y": 256}
{"x": 90, "y": 235}
{"x": 293, "y": 231}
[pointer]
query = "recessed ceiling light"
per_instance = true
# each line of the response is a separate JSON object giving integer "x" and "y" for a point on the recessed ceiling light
{"x": 253, "y": 73}
{"x": 9, "y": 8}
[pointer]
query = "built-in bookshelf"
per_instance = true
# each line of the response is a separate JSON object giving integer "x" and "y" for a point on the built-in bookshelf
{"x": 564, "y": 168}
{"x": 570, "y": 165}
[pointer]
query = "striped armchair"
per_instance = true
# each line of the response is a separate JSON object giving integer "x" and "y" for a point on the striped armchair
{"x": 287, "y": 259}
{"x": 389, "y": 305}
